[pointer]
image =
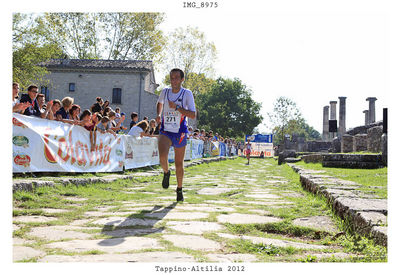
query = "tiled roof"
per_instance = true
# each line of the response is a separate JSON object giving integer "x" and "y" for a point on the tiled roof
{"x": 98, "y": 64}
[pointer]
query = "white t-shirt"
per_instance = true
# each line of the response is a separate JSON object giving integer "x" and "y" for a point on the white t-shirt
{"x": 186, "y": 99}
{"x": 173, "y": 119}
{"x": 135, "y": 131}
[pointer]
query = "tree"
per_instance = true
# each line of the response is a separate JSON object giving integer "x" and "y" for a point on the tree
{"x": 287, "y": 119}
{"x": 228, "y": 109}
{"x": 29, "y": 50}
{"x": 189, "y": 50}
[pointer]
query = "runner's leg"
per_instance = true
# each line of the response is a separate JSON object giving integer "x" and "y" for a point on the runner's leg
{"x": 179, "y": 158}
{"x": 163, "y": 148}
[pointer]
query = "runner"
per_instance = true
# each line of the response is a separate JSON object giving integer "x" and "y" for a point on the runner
{"x": 173, "y": 106}
{"x": 248, "y": 151}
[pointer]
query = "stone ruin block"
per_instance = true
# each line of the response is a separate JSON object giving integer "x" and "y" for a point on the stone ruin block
{"x": 347, "y": 144}
{"x": 374, "y": 139}
{"x": 360, "y": 142}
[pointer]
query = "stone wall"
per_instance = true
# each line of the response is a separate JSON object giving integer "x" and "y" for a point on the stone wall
{"x": 314, "y": 158}
{"x": 360, "y": 142}
{"x": 374, "y": 139}
{"x": 319, "y": 146}
{"x": 363, "y": 129}
{"x": 359, "y": 161}
{"x": 347, "y": 144}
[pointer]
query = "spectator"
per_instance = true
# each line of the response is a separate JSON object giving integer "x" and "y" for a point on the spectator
{"x": 52, "y": 108}
{"x": 106, "y": 111}
{"x": 105, "y": 126}
{"x": 87, "y": 122}
{"x": 190, "y": 129}
{"x": 105, "y": 105}
{"x": 96, "y": 108}
{"x": 139, "y": 130}
{"x": 63, "y": 113}
{"x": 134, "y": 118}
{"x": 154, "y": 130}
{"x": 33, "y": 108}
{"x": 74, "y": 112}
{"x": 17, "y": 106}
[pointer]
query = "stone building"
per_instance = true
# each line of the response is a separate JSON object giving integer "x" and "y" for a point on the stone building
{"x": 128, "y": 84}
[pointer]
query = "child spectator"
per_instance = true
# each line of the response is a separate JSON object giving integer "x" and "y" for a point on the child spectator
{"x": 139, "y": 130}
{"x": 96, "y": 108}
{"x": 74, "y": 112}
{"x": 134, "y": 118}
{"x": 105, "y": 126}
{"x": 17, "y": 106}
{"x": 52, "y": 108}
{"x": 154, "y": 130}
{"x": 90, "y": 125}
{"x": 63, "y": 113}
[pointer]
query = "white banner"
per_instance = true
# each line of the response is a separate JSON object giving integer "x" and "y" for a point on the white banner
{"x": 140, "y": 152}
{"x": 258, "y": 147}
{"x": 41, "y": 145}
{"x": 197, "y": 147}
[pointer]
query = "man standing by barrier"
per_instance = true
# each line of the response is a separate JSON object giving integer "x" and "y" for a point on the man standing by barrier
{"x": 173, "y": 106}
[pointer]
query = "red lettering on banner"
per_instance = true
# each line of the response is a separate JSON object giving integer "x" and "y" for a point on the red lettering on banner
{"x": 50, "y": 157}
{"x": 80, "y": 157}
{"x": 77, "y": 152}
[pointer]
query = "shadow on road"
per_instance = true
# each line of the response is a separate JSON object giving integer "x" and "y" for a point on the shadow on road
{"x": 137, "y": 224}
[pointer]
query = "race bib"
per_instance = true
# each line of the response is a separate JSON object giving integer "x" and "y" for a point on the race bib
{"x": 172, "y": 121}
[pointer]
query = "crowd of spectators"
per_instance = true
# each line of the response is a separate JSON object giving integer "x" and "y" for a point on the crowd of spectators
{"x": 99, "y": 118}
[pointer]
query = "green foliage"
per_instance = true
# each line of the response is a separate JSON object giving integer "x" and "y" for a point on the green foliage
{"x": 228, "y": 109}
{"x": 39, "y": 37}
{"x": 189, "y": 50}
{"x": 286, "y": 118}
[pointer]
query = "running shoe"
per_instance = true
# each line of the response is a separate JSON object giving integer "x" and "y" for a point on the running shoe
{"x": 165, "y": 181}
{"x": 179, "y": 195}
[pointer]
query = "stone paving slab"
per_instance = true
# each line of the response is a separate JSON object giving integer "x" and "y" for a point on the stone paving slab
{"x": 135, "y": 257}
{"x": 54, "y": 210}
{"x": 323, "y": 223}
{"x": 276, "y": 242}
{"x": 126, "y": 232}
{"x": 206, "y": 208}
{"x": 113, "y": 245}
{"x": 194, "y": 227}
{"x": 124, "y": 222}
{"x": 193, "y": 242}
{"x": 19, "y": 241}
{"x": 246, "y": 219}
{"x": 214, "y": 191}
{"x": 177, "y": 215}
{"x": 231, "y": 258}
{"x": 37, "y": 219}
{"x": 21, "y": 253}
{"x": 262, "y": 196}
{"x": 52, "y": 233}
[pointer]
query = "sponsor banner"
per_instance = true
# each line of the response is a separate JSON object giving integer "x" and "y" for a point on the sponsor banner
{"x": 258, "y": 147}
{"x": 259, "y": 138}
{"x": 140, "y": 152}
{"x": 197, "y": 148}
{"x": 222, "y": 149}
{"x": 41, "y": 145}
{"x": 214, "y": 148}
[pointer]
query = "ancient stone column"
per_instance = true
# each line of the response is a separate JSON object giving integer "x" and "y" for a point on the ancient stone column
{"x": 333, "y": 109}
{"x": 325, "y": 127}
{"x": 333, "y": 116}
{"x": 371, "y": 108}
{"x": 366, "y": 112}
{"x": 342, "y": 116}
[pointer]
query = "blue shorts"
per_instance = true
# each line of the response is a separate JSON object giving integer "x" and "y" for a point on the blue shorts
{"x": 178, "y": 139}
